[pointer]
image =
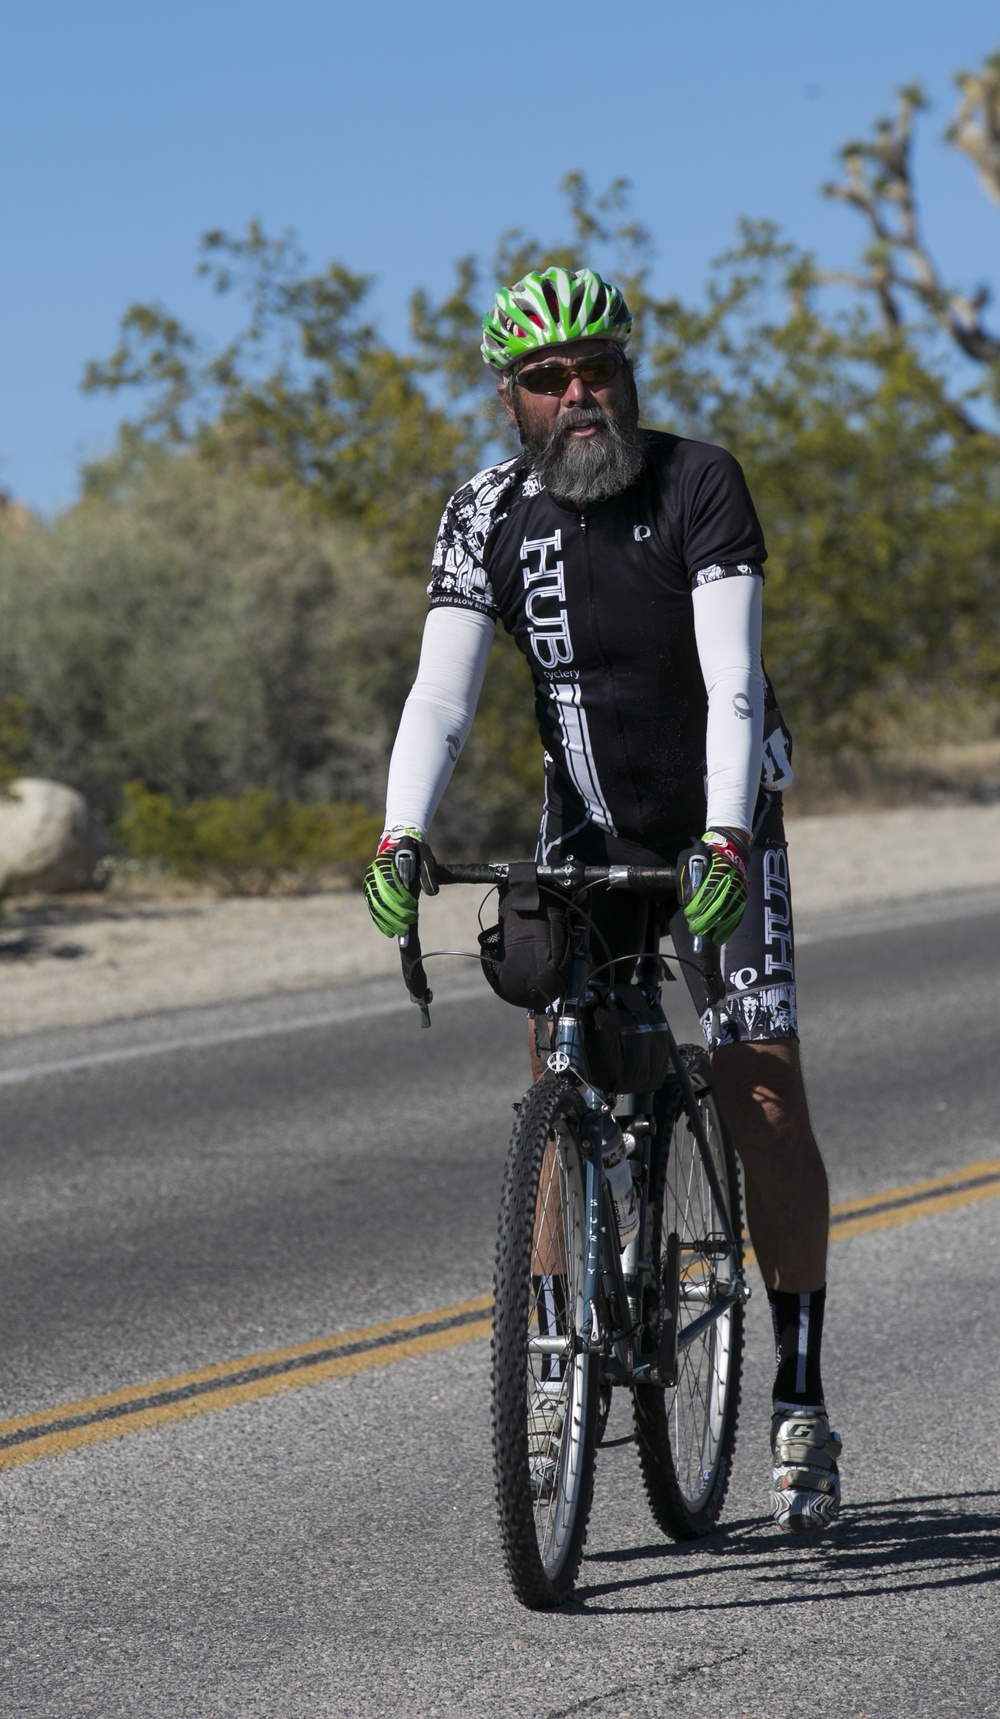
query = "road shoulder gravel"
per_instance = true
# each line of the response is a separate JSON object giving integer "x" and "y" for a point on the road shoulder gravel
{"x": 88, "y": 961}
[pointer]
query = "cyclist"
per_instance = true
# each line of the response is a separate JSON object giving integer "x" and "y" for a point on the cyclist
{"x": 628, "y": 566}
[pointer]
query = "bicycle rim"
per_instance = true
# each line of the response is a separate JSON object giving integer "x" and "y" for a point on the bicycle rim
{"x": 545, "y": 1387}
{"x": 687, "y": 1433}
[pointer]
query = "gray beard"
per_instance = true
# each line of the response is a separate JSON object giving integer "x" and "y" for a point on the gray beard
{"x": 587, "y": 471}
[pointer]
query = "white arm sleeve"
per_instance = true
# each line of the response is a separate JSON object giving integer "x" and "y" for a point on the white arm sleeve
{"x": 727, "y": 630}
{"x": 437, "y": 715}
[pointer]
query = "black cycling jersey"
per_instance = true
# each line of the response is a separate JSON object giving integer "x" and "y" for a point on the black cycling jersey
{"x": 599, "y": 602}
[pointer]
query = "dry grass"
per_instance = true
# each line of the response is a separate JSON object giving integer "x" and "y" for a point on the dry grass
{"x": 934, "y": 776}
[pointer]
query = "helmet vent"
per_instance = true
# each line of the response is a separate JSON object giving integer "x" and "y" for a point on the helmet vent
{"x": 547, "y": 308}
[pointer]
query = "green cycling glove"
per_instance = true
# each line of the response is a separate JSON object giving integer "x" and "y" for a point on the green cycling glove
{"x": 392, "y": 902}
{"x": 713, "y": 904}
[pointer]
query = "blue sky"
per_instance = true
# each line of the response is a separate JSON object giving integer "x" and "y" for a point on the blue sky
{"x": 396, "y": 137}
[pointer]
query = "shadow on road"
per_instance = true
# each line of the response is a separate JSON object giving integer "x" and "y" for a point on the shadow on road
{"x": 882, "y": 1546}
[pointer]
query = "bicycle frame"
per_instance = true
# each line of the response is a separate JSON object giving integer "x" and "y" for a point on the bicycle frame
{"x": 604, "y": 1259}
{"x": 604, "y": 1275}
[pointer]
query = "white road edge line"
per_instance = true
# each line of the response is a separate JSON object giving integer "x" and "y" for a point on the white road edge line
{"x": 899, "y": 921}
{"x": 226, "y": 1036}
{"x": 937, "y": 913}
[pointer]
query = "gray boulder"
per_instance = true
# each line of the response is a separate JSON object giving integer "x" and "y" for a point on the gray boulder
{"x": 50, "y": 840}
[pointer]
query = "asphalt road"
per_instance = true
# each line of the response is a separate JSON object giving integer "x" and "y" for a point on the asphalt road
{"x": 331, "y": 1551}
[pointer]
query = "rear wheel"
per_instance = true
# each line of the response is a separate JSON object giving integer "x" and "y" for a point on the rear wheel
{"x": 686, "y": 1433}
{"x": 546, "y": 1389}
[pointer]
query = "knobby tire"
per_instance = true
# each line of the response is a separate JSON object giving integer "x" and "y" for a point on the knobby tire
{"x": 544, "y": 1409}
{"x": 686, "y": 1434}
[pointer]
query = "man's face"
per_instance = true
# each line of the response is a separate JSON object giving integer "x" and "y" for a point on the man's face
{"x": 586, "y": 441}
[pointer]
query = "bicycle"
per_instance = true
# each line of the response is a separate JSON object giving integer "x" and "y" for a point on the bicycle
{"x": 605, "y": 1280}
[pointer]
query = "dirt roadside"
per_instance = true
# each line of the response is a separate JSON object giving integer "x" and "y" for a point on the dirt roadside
{"x": 86, "y": 960}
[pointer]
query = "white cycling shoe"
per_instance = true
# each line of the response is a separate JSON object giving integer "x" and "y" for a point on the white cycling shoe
{"x": 805, "y": 1486}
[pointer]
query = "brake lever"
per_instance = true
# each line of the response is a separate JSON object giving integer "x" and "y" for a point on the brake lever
{"x": 414, "y": 977}
{"x": 706, "y": 952}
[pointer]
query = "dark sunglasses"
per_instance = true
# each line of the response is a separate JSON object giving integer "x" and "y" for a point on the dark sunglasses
{"x": 595, "y": 371}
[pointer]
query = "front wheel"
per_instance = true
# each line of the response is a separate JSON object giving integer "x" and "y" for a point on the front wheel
{"x": 686, "y": 1434}
{"x": 546, "y": 1387}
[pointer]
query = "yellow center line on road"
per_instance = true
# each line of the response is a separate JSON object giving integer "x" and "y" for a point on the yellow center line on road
{"x": 51, "y": 1432}
{"x": 113, "y": 1414}
{"x": 921, "y": 1199}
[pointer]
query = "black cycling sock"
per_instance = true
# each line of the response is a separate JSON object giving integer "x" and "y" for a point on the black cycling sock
{"x": 550, "y": 1301}
{"x": 798, "y": 1337}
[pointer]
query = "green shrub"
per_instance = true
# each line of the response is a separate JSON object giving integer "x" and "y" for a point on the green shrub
{"x": 205, "y": 634}
{"x": 245, "y": 844}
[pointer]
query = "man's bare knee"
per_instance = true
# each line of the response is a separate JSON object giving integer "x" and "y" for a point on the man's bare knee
{"x": 761, "y": 1093}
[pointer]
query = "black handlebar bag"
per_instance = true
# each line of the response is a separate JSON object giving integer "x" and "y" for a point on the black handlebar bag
{"x": 527, "y": 955}
{"x": 626, "y": 1042}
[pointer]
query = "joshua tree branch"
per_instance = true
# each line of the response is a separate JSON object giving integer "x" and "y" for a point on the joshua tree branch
{"x": 976, "y": 127}
{"x": 878, "y": 182}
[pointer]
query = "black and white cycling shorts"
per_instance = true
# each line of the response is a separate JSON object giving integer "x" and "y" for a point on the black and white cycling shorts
{"x": 758, "y": 962}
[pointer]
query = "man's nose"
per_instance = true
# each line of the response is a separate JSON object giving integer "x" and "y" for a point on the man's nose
{"x": 577, "y": 394}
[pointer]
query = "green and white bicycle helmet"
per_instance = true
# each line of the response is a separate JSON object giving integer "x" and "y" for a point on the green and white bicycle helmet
{"x": 549, "y": 307}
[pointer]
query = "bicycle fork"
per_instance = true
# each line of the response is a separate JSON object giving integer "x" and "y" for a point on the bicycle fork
{"x": 605, "y": 1286}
